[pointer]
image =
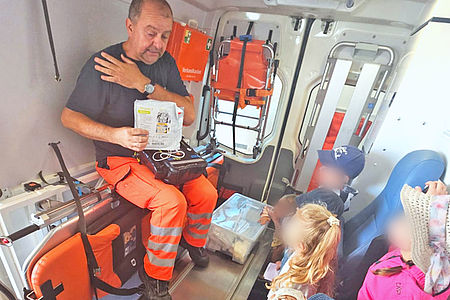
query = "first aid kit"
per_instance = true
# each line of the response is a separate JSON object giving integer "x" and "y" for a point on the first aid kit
{"x": 164, "y": 122}
{"x": 190, "y": 47}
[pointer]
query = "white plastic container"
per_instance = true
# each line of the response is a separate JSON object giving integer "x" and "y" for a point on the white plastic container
{"x": 235, "y": 228}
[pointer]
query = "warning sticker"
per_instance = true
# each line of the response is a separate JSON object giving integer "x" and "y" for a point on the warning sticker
{"x": 187, "y": 36}
{"x": 129, "y": 240}
{"x": 209, "y": 44}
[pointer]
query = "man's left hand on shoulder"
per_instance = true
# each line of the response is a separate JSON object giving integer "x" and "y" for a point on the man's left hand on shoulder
{"x": 124, "y": 72}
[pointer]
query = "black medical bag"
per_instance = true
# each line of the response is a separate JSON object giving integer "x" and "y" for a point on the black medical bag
{"x": 174, "y": 167}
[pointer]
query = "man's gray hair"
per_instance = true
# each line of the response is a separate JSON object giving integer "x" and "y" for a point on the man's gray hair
{"x": 136, "y": 7}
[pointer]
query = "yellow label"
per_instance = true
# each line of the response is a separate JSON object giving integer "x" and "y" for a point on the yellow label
{"x": 144, "y": 111}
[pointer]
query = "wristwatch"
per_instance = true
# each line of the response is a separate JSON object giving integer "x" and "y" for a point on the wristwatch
{"x": 148, "y": 89}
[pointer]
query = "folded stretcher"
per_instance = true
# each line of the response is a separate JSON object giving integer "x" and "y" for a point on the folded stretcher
{"x": 243, "y": 72}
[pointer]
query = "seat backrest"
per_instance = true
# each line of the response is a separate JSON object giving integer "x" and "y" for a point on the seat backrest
{"x": 414, "y": 169}
{"x": 66, "y": 264}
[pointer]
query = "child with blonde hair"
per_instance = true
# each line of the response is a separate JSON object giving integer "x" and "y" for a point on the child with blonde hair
{"x": 313, "y": 233}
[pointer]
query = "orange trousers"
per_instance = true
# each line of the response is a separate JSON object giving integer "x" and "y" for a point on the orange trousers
{"x": 169, "y": 207}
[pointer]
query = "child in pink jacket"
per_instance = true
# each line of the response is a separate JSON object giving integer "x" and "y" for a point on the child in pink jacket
{"x": 395, "y": 276}
{"x": 396, "y": 279}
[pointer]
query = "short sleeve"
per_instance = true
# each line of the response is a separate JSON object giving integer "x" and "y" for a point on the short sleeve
{"x": 90, "y": 93}
{"x": 174, "y": 82}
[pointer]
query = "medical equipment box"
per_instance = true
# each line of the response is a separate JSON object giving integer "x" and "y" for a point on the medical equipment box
{"x": 235, "y": 229}
{"x": 174, "y": 167}
{"x": 190, "y": 48}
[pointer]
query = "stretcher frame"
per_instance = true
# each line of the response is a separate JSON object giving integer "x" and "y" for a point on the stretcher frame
{"x": 368, "y": 89}
{"x": 260, "y": 127}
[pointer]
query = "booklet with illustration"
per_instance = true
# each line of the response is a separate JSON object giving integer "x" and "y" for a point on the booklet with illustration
{"x": 164, "y": 122}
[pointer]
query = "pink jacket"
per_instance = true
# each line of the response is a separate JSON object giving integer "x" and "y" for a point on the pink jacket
{"x": 406, "y": 285}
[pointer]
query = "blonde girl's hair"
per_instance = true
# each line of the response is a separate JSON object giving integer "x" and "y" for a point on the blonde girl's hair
{"x": 315, "y": 264}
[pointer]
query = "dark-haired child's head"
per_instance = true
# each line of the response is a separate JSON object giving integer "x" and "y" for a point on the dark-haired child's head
{"x": 339, "y": 166}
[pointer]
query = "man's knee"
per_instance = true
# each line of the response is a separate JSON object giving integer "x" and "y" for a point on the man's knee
{"x": 169, "y": 198}
{"x": 210, "y": 195}
{"x": 205, "y": 194}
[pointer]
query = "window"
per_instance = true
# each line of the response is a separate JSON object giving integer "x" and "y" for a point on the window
{"x": 249, "y": 116}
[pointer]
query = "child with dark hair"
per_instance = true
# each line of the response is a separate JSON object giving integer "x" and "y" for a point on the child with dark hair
{"x": 339, "y": 167}
{"x": 284, "y": 208}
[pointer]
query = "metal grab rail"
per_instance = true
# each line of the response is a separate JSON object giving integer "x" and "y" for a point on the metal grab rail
{"x": 54, "y": 214}
{"x": 353, "y": 44}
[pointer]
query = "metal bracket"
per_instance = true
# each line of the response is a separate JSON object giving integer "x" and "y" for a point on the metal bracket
{"x": 433, "y": 19}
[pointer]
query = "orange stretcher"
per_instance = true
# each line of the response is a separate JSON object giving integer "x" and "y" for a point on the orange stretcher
{"x": 254, "y": 88}
{"x": 243, "y": 72}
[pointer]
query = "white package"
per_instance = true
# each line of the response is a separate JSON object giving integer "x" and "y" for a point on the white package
{"x": 164, "y": 122}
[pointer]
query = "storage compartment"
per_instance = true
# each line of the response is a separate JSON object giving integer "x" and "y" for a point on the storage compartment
{"x": 235, "y": 228}
{"x": 190, "y": 48}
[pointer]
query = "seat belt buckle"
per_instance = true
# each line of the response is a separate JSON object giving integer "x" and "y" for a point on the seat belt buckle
{"x": 251, "y": 93}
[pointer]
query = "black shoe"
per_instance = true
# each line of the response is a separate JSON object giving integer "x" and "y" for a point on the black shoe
{"x": 154, "y": 289}
{"x": 199, "y": 255}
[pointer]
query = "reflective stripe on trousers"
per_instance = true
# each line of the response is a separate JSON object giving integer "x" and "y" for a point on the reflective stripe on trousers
{"x": 165, "y": 231}
{"x": 198, "y": 226}
{"x": 160, "y": 262}
{"x": 192, "y": 216}
{"x": 163, "y": 254}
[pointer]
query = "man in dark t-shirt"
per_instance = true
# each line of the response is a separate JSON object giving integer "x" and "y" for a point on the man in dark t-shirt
{"x": 101, "y": 108}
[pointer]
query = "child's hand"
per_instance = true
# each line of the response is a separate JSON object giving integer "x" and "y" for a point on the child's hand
{"x": 265, "y": 216}
{"x": 278, "y": 265}
{"x": 435, "y": 188}
{"x": 273, "y": 214}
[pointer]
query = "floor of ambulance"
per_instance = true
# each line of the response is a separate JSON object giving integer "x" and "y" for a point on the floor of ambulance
{"x": 222, "y": 279}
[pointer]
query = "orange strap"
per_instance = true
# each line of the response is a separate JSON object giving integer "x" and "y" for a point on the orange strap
{"x": 247, "y": 96}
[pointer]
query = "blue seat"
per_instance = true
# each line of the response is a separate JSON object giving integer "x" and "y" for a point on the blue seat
{"x": 414, "y": 169}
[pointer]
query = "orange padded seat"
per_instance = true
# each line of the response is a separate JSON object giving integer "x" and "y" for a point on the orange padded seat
{"x": 66, "y": 264}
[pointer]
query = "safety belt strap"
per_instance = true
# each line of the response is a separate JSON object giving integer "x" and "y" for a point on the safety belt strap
{"x": 246, "y": 38}
{"x": 91, "y": 261}
{"x": 106, "y": 287}
{"x": 93, "y": 267}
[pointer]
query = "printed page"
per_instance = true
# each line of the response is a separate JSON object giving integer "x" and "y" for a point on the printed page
{"x": 164, "y": 122}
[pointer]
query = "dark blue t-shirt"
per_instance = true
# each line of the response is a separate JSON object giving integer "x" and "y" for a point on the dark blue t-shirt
{"x": 112, "y": 104}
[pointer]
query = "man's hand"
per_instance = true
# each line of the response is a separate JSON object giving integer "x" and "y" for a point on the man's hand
{"x": 132, "y": 138}
{"x": 125, "y": 72}
{"x": 434, "y": 188}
